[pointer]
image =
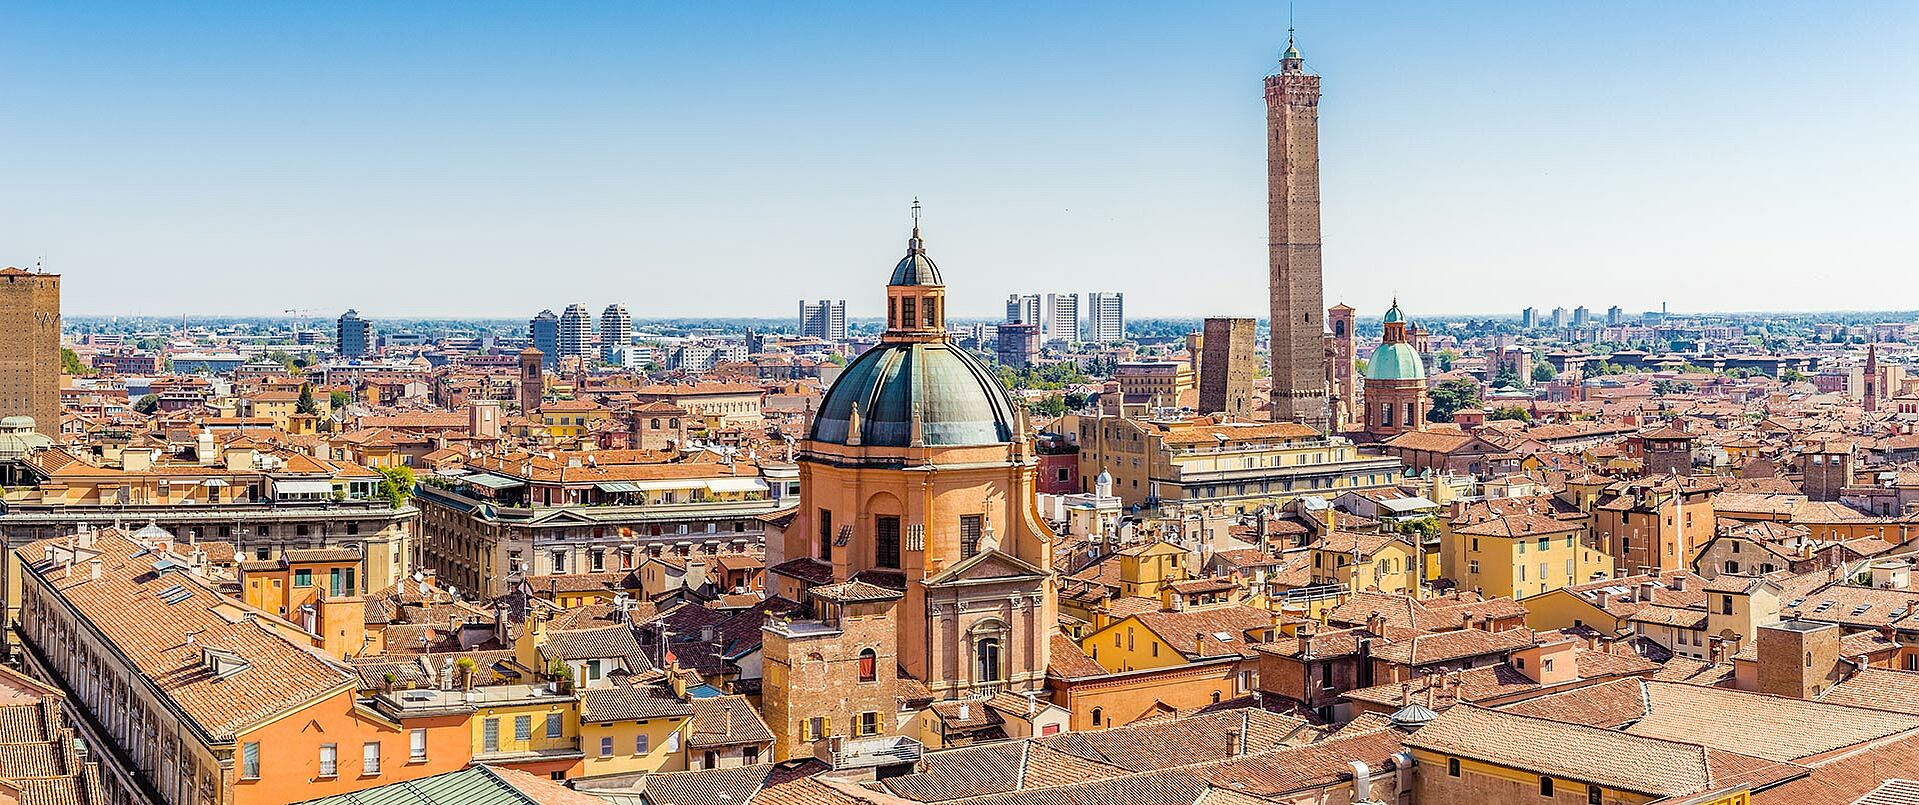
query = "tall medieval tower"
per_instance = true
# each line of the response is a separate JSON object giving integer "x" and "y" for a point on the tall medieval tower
{"x": 1292, "y": 182}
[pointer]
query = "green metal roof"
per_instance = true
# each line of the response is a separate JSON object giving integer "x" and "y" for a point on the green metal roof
{"x": 492, "y": 481}
{"x": 1395, "y": 362}
{"x": 474, "y": 785}
{"x": 959, "y": 401}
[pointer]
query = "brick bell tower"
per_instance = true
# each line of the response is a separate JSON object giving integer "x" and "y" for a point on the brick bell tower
{"x": 1292, "y": 181}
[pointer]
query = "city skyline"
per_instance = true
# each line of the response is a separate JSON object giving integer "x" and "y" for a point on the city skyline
{"x": 423, "y": 179}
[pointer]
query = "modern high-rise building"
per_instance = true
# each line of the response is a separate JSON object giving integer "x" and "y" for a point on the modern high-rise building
{"x": 353, "y": 336}
{"x": 1529, "y": 318}
{"x": 576, "y": 330}
{"x": 544, "y": 332}
{"x": 1059, "y": 317}
{"x": 825, "y": 319}
{"x": 1582, "y": 316}
{"x": 1023, "y": 309}
{"x": 616, "y": 331}
{"x": 1226, "y": 367}
{"x": 1298, "y": 303}
{"x": 1559, "y": 318}
{"x": 30, "y": 358}
{"x": 1615, "y": 316}
{"x": 1105, "y": 317}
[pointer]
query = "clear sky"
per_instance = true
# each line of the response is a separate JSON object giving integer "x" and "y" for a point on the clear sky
{"x": 698, "y": 159}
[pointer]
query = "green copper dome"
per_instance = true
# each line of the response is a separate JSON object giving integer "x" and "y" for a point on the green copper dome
{"x": 1395, "y": 362}
{"x": 1393, "y": 314}
{"x": 959, "y": 401}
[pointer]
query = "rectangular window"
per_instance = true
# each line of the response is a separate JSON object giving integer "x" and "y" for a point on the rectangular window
{"x": 490, "y": 732}
{"x": 329, "y": 760}
{"x": 970, "y": 527}
{"x": 416, "y": 745}
{"x": 1545, "y": 786}
{"x": 1452, "y": 767}
{"x": 640, "y": 745}
{"x": 826, "y": 534}
{"x": 870, "y": 722}
{"x": 303, "y": 578}
{"x": 250, "y": 761}
{"x": 886, "y": 541}
{"x": 370, "y": 758}
{"x": 1593, "y": 794}
{"x": 606, "y": 747}
{"x": 555, "y": 725}
{"x": 592, "y": 670}
{"x": 522, "y": 728}
{"x": 672, "y": 742}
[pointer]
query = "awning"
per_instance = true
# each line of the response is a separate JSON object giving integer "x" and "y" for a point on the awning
{"x": 737, "y": 485}
{"x": 214, "y": 482}
{"x": 492, "y": 481}
{"x": 664, "y": 486}
{"x": 617, "y": 486}
{"x": 302, "y": 486}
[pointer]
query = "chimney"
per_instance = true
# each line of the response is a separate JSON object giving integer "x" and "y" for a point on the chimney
{"x": 1602, "y": 599}
{"x": 1678, "y": 583}
{"x": 1645, "y": 590}
{"x": 1232, "y": 743}
{"x": 93, "y": 569}
{"x": 965, "y": 711}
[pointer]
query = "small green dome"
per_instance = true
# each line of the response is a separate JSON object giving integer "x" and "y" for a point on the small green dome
{"x": 1393, "y": 314}
{"x": 1291, "y": 52}
{"x": 1395, "y": 362}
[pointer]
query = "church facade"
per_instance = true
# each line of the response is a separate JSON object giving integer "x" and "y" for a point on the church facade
{"x": 919, "y": 476}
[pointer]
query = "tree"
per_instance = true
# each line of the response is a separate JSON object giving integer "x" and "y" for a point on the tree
{"x": 1424, "y": 528}
{"x": 466, "y": 666}
{"x": 1791, "y": 375}
{"x": 70, "y": 363}
{"x": 1076, "y": 400}
{"x": 1507, "y": 378}
{"x": 147, "y": 404}
{"x": 339, "y": 399}
{"x": 396, "y": 485}
{"x": 1446, "y": 358}
{"x": 1451, "y": 397}
{"x": 306, "y": 405}
{"x": 1543, "y": 372}
{"x": 1511, "y": 412}
{"x": 1050, "y": 405}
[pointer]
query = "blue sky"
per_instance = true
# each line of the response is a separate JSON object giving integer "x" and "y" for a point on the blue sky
{"x": 701, "y": 159}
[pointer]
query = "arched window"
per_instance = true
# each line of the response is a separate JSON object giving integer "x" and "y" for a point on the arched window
{"x": 656, "y": 423}
{"x": 986, "y": 660}
{"x": 1099, "y": 716}
{"x": 869, "y": 665}
{"x": 1215, "y": 697}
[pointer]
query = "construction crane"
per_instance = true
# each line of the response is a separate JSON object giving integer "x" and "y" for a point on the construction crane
{"x": 299, "y": 315}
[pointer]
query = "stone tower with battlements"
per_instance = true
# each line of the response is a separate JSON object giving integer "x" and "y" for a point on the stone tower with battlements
{"x": 1292, "y": 181}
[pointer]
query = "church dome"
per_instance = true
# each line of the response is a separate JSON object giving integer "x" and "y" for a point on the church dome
{"x": 1395, "y": 361}
{"x": 959, "y": 401}
{"x": 916, "y": 268}
{"x": 1393, "y": 315}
